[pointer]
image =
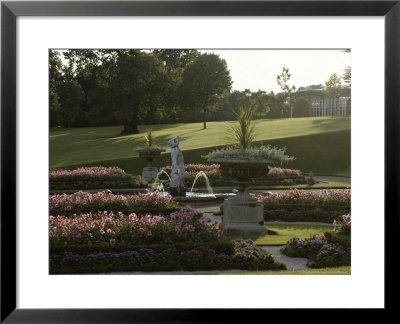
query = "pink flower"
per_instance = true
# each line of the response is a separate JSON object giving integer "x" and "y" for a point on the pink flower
{"x": 219, "y": 233}
{"x": 203, "y": 220}
{"x": 190, "y": 228}
{"x": 112, "y": 241}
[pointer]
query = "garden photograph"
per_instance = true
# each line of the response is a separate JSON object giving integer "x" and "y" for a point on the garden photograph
{"x": 199, "y": 162}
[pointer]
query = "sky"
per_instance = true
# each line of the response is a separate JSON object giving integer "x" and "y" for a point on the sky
{"x": 257, "y": 69}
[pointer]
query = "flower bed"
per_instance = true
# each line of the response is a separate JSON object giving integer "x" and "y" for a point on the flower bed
{"x": 303, "y": 215}
{"x": 275, "y": 176}
{"x": 319, "y": 251}
{"x": 300, "y": 198}
{"x": 211, "y": 171}
{"x": 108, "y": 228}
{"x": 257, "y": 154}
{"x": 330, "y": 250}
{"x": 93, "y": 177}
{"x": 305, "y": 205}
{"x": 81, "y": 202}
{"x": 246, "y": 256}
{"x": 183, "y": 240}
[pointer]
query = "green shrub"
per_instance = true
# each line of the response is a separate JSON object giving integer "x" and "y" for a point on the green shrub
{"x": 223, "y": 245}
{"x": 303, "y": 215}
{"x": 305, "y": 206}
{"x": 311, "y": 181}
{"x": 337, "y": 238}
{"x": 320, "y": 251}
{"x": 245, "y": 256}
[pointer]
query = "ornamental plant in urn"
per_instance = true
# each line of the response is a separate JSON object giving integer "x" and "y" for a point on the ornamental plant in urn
{"x": 149, "y": 153}
{"x": 242, "y": 162}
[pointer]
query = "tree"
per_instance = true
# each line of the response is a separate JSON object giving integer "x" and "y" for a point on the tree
{"x": 347, "y": 71}
{"x": 137, "y": 88}
{"x": 260, "y": 103}
{"x": 347, "y": 75}
{"x": 93, "y": 70}
{"x": 71, "y": 99}
{"x": 287, "y": 90}
{"x": 275, "y": 104}
{"x": 205, "y": 80}
{"x": 176, "y": 58}
{"x": 55, "y": 79}
{"x": 175, "y": 61}
{"x": 333, "y": 86}
{"x": 302, "y": 108}
{"x": 126, "y": 86}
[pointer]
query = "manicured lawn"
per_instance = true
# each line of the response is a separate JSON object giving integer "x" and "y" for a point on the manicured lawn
{"x": 286, "y": 231}
{"x": 321, "y": 145}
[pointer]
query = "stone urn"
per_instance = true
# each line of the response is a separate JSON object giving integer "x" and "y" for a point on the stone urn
{"x": 149, "y": 172}
{"x": 243, "y": 214}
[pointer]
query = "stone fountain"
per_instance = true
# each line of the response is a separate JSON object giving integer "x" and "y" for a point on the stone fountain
{"x": 243, "y": 214}
{"x": 150, "y": 153}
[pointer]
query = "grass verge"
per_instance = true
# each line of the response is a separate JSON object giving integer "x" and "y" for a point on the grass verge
{"x": 286, "y": 231}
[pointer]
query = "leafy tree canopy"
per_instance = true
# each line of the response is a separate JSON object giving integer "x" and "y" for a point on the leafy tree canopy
{"x": 205, "y": 80}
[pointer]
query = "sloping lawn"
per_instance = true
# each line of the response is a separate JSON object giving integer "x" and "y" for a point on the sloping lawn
{"x": 321, "y": 145}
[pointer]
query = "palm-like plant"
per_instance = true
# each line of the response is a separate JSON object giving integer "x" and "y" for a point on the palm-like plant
{"x": 243, "y": 132}
{"x": 149, "y": 137}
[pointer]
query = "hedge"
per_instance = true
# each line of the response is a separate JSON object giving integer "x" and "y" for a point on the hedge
{"x": 223, "y": 245}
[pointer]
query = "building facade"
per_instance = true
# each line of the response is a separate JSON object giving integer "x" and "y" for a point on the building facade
{"x": 321, "y": 104}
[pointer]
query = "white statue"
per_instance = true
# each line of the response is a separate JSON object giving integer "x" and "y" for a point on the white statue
{"x": 178, "y": 168}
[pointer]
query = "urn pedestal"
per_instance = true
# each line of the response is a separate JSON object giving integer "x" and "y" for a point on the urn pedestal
{"x": 243, "y": 214}
{"x": 149, "y": 172}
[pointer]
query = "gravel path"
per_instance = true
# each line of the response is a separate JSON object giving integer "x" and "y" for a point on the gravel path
{"x": 292, "y": 264}
{"x": 335, "y": 179}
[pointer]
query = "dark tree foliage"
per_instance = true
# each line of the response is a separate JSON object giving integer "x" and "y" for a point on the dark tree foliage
{"x": 347, "y": 75}
{"x": 55, "y": 79}
{"x": 302, "y": 108}
{"x": 71, "y": 101}
{"x": 137, "y": 88}
{"x": 205, "y": 80}
{"x": 176, "y": 58}
{"x": 258, "y": 102}
{"x": 277, "y": 107}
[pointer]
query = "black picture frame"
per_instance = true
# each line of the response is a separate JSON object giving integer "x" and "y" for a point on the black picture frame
{"x": 10, "y": 10}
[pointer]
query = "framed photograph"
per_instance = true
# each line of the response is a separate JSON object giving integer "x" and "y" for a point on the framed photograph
{"x": 164, "y": 157}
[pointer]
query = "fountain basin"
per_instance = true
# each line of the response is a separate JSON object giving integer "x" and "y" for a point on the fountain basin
{"x": 149, "y": 172}
{"x": 197, "y": 199}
